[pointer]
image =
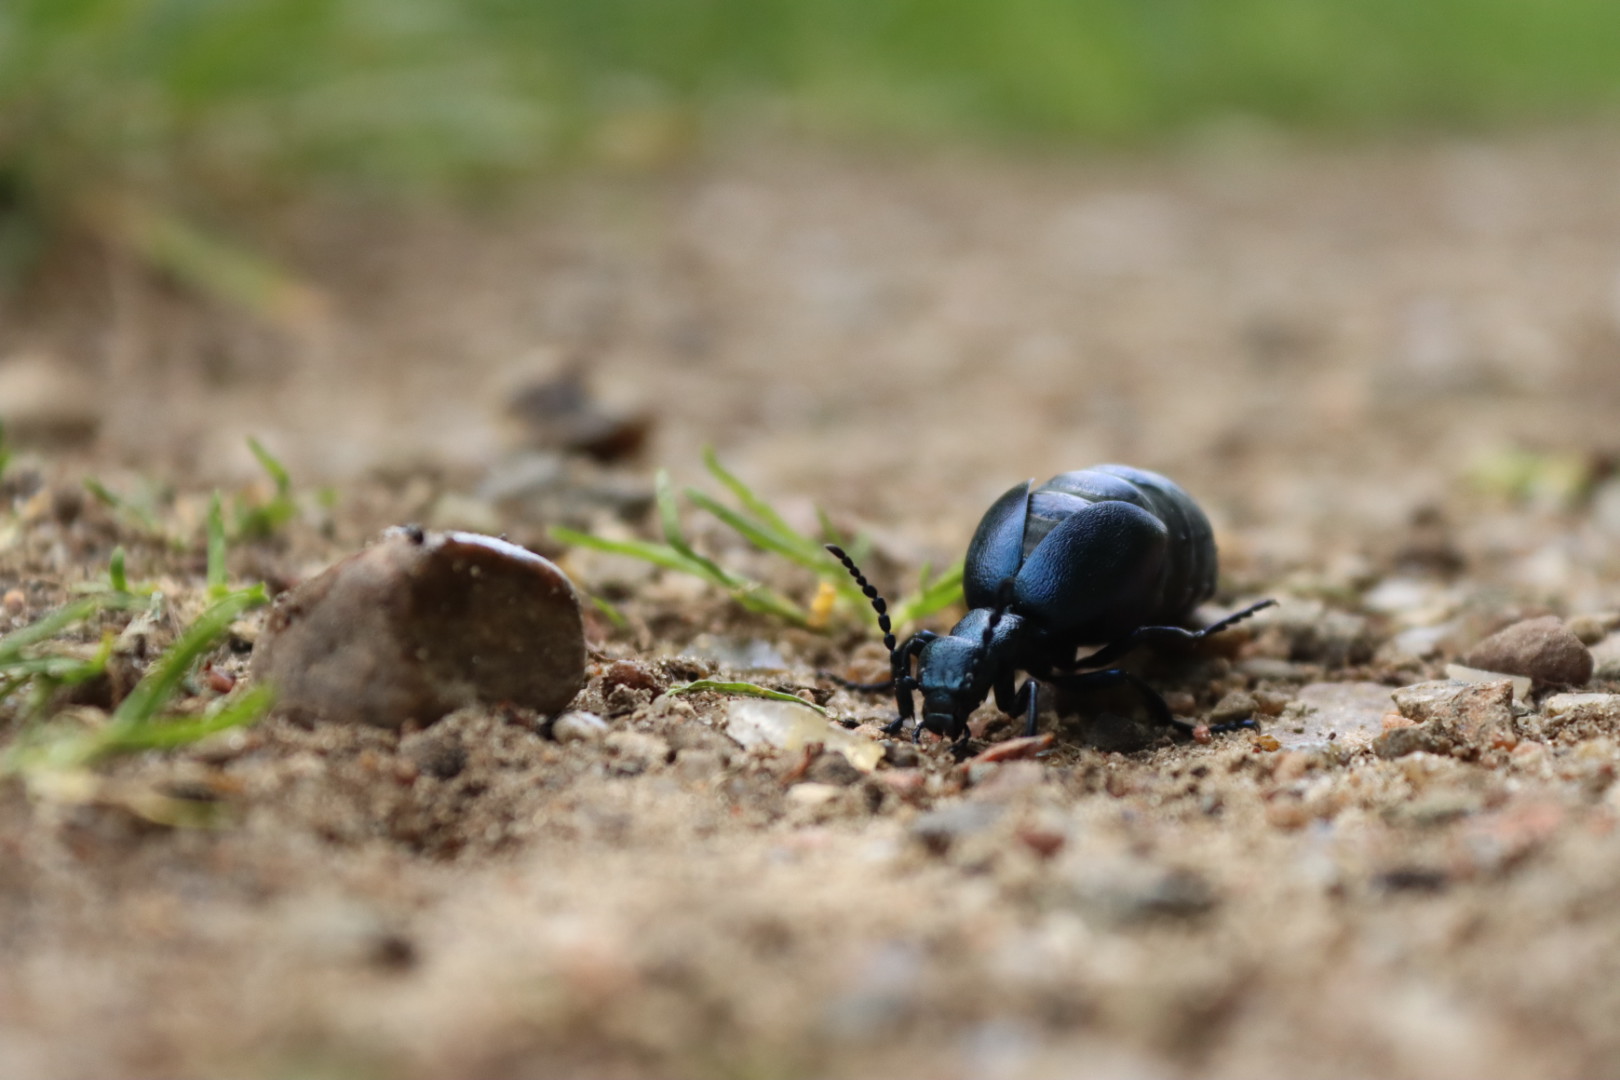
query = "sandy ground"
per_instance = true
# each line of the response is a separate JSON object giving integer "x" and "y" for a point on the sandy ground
{"x": 1390, "y": 374}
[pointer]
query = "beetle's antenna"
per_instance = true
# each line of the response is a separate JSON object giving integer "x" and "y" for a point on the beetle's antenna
{"x": 879, "y": 605}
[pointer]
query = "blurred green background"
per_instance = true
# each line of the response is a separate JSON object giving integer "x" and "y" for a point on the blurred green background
{"x": 113, "y": 110}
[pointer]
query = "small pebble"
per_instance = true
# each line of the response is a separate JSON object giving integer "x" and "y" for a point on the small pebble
{"x": 813, "y": 794}
{"x": 1600, "y": 707}
{"x": 1592, "y": 628}
{"x": 1606, "y": 658}
{"x": 1236, "y": 705}
{"x": 442, "y": 756}
{"x": 1544, "y": 649}
{"x": 1042, "y": 840}
{"x": 634, "y": 752}
{"x": 1125, "y": 891}
{"x": 833, "y": 769}
{"x": 1004, "y": 781}
{"x": 906, "y": 783}
{"x": 1270, "y": 703}
{"x": 220, "y": 682}
{"x": 629, "y": 673}
{"x": 1181, "y": 703}
{"x": 939, "y": 829}
{"x": 579, "y": 726}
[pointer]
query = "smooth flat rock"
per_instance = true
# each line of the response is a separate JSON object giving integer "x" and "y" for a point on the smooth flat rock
{"x": 1347, "y": 714}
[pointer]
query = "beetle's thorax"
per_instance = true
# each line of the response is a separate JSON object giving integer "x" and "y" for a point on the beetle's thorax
{"x": 956, "y": 671}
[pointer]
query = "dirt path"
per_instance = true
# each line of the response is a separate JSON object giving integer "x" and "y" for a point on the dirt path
{"x": 1391, "y": 376}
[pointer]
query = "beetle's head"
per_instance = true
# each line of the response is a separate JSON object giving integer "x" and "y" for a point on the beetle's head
{"x": 956, "y": 672}
{"x": 946, "y": 676}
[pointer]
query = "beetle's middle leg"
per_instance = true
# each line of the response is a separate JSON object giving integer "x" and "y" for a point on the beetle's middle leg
{"x": 1022, "y": 700}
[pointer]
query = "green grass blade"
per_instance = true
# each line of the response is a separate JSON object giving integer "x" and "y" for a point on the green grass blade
{"x": 164, "y": 734}
{"x": 751, "y": 595}
{"x": 51, "y": 751}
{"x": 829, "y": 531}
{"x": 744, "y": 689}
{"x": 612, "y": 614}
{"x": 270, "y": 464}
{"x": 14, "y": 644}
{"x": 933, "y": 598}
{"x": 762, "y": 510}
{"x": 161, "y": 681}
{"x": 217, "y": 585}
{"x": 669, "y": 517}
{"x": 256, "y": 521}
{"x": 761, "y": 537}
{"x": 116, "y": 576}
{"x": 141, "y": 519}
{"x": 763, "y": 601}
{"x": 645, "y": 550}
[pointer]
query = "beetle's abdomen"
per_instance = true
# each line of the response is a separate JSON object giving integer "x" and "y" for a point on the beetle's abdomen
{"x": 1188, "y": 574}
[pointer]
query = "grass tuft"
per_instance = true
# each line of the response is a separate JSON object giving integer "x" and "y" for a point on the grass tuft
{"x": 761, "y": 525}
{"x": 137, "y": 723}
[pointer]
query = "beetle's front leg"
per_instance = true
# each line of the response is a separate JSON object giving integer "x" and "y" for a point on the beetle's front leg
{"x": 905, "y": 684}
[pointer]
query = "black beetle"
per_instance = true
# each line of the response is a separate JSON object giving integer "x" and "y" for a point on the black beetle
{"x": 1110, "y": 556}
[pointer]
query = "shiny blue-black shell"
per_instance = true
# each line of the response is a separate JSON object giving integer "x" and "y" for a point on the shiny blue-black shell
{"x": 1093, "y": 554}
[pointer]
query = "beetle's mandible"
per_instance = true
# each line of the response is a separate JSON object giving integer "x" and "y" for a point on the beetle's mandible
{"x": 1108, "y": 556}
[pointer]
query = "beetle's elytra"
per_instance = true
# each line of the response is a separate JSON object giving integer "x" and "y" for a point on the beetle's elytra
{"x": 1108, "y": 556}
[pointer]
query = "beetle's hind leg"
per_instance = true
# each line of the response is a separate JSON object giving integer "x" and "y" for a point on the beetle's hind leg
{"x": 1152, "y": 635}
{"x": 1021, "y": 700}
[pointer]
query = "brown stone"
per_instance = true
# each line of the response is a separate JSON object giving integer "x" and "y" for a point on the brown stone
{"x": 1544, "y": 649}
{"x": 418, "y": 625}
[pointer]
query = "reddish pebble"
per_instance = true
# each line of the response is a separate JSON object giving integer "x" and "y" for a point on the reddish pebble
{"x": 1201, "y": 734}
{"x": 906, "y": 783}
{"x": 1043, "y": 842}
{"x": 635, "y": 676}
{"x": 220, "y": 682}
